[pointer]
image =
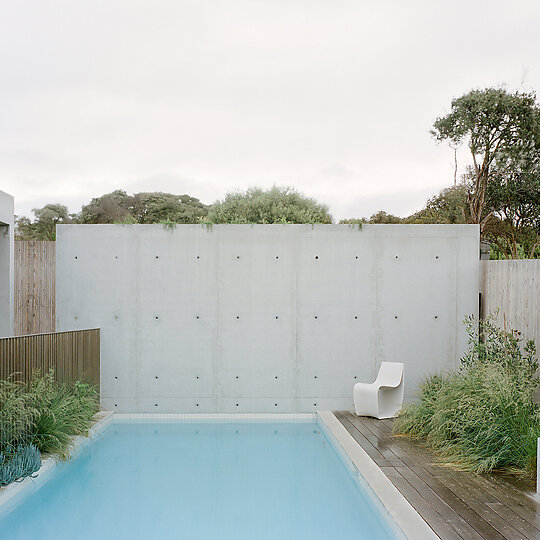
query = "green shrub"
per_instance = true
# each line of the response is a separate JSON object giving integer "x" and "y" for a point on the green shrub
{"x": 482, "y": 417}
{"x": 44, "y": 413}
{"x": 16, "y": 415}
{"x": 489, "y": 344}
{"x": 63, "y": 411}
{"x": 416, "y": 420}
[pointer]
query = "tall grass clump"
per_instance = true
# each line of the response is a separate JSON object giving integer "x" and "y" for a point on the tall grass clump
{"x": 482, "y": 417}
{"x": 16, "y": 415}
{"x": 41, "y": 417}
{"x": 63, "y": 411}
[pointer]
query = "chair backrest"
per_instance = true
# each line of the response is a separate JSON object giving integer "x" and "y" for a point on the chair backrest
{"x": 390, "y": 374}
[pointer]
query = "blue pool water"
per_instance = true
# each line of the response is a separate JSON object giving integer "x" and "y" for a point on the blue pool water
{"x": 200, "y": 481}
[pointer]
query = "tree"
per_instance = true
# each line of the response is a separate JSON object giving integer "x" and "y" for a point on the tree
{"x": 24, "y": 229}
{"x": 276, "y": 205}
{"x": 378, "y": 217}
{"x": 449, "y": 206}
{"x": 382, "y": 217}
{"x": 48, "y": 217}
{"x": 514, "y": 198}
{"x": 502, "y": 131}
{"x": 44, "y": 225}
{"x": 165, "y": 207}
{"x": 115, "y": 207}
{"x": 146, "y": 207}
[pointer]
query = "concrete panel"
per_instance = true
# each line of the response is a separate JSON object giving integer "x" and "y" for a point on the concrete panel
{"x": 177, "y": 314}
{"x": 257, "y": 295}
{"x": 264, "y": 318}
{"x": 336, "y": 310}
{"x": 416, "y": 305}
{"x": 6, "y": 264}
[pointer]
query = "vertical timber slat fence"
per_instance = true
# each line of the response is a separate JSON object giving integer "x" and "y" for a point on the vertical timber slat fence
{"x": 73, "y": 356}
{"x": 35, "y": 287}
{"x": 512, "y": 289}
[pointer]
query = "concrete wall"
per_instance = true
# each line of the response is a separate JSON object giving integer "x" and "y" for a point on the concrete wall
{"x": 6, "y": 264}
{"x": 241, "y": 318}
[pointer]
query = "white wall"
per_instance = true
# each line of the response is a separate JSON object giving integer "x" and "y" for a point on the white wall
{"x": 6, "y": 264}
{"x": 248, "y": 318}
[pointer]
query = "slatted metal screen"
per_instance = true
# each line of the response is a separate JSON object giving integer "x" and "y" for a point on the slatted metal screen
{"x": 73, "y": 356}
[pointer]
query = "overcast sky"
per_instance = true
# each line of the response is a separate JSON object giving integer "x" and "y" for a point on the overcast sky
{"x": 335, "y": 98}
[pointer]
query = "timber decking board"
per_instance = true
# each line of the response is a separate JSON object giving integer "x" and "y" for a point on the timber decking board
{"x": 454, "y": 504}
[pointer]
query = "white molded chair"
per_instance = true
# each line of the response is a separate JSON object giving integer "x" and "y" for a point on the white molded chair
{"x": 382, "y": 398}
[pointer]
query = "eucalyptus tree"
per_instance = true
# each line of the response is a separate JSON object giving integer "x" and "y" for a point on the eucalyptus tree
{"x": 502, "y": 132}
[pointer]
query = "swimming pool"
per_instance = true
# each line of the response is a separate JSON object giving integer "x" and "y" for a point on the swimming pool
{"x": 178, "y": 480}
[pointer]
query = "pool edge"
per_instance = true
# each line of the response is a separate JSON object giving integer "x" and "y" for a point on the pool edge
{"x": 401, "y": 511}
{"x": 405, "y": 517}
{"x": 196, "y": 418}
{"x": 11, "y": 494}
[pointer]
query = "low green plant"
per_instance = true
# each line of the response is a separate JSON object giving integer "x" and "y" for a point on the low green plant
{"x": 416, "y": 419}
{"x": 17, "y": 415}
{"x": 44, "y": 415}
{"x": 63, "y": 411}
{"x": 482, "y": 417}
{"x": 22, "y": 462}
{"x": 489, "y": 344}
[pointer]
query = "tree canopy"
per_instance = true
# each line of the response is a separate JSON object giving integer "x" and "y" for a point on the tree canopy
{"x": 514, "y": 228}
{"x": 500, "y": 189}
{"x": 145, "y": 207}
{"x": 276, "y": 205}
{"x": 44, "y": 225}
{"x": 449, "y": 206}
{"x": 115, "y": 207}
{"x": 502, "y": 131}
{"x": 166, "y": 207}
{"x": 380, "y": 217}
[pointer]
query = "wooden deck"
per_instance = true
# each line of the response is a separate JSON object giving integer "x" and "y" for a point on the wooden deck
{"x": 454, "y": 504}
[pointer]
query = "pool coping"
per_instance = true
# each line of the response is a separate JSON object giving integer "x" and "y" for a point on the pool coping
{"x": 402, "y": 515}
{"x": 196, "y": 418}
{"x": 401, "y": 511}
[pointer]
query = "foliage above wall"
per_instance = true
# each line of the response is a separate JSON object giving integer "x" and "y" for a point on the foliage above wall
{"x": 502, "y": 131}
{"x": 449, "y": 206}
{"x": 500, "y": 189}
{"x": 115, "y": 207}
{"x": 276, "y": 205}
{"x": 44, "y": 225}
{"x": 146, "y": 207}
